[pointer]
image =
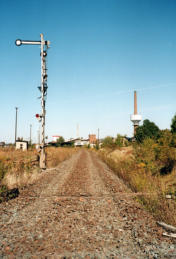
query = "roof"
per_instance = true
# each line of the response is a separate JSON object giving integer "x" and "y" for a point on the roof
{"x": 24, "y": 141}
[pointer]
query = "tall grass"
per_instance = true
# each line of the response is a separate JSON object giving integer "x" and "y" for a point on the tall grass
{"x": 19, "y": 168}
{"x": 56, "y": 155}
{"x": 17, "y": 160}
{"x": 151, "y": 188}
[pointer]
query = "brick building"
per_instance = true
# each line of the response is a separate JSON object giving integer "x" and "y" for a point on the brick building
{"x": 92, "y": 139}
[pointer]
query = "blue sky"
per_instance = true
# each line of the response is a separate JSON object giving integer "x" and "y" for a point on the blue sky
{"x": 101, "y": 51}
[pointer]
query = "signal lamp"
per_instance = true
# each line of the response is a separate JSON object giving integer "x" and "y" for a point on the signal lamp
{"x": 18, "y": 42}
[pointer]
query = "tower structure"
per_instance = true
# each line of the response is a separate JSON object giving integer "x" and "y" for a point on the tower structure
{"x": 77, "y": 130}
{"x": 135, "y": 118}
{"x": 44, "y": 45}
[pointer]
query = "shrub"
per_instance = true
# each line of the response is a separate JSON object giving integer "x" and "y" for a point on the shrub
{"x": 173, "y": 124}
{"x": 60, "y": 141}
{"x": 119, "y": 141}
{"x": 139, "y": 178}
{"x": 147, "y": 130}
{"x": 2, "y": 170}
{"x": 108, "y": 142}
{"x": 146, "y": 153}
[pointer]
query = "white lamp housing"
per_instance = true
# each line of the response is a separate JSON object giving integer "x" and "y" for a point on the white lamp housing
{"x": 136, "y": 118}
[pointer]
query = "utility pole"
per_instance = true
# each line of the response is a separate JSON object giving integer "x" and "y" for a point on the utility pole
{"x": 16, "y": 124}
{"x": 30, "y": 134}
{"x": 98, "y": 137}
{"x": 44, "y": 45}
{"x": 38, "y": 132}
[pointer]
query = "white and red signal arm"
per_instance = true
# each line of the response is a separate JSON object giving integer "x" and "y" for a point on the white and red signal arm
{"x": 38, "y": 116}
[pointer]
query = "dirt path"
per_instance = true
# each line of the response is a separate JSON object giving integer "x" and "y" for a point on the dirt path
{"x": 79, "y": 210}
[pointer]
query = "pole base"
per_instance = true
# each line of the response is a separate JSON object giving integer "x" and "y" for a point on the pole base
{"x": 43, "y": 159}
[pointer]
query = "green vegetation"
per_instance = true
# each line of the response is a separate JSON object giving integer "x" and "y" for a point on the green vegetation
{"x": 110, "y": 142}
{"x": 121, "y": 141}
{"x": 60, "y": 141}
{"x": 173, "y": 124}
{"x": 149, "y": 168}
{"x": 2, "y": 170}
{"x": 147, "y": 130}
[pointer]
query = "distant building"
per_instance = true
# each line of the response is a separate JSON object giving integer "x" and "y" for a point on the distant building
{"x": 22, "y": 144}
{"x": 54, "y": 138}
{"x": 77, "y": 142}
{"x": 92, "y": 139}
{"x": 2, "y": 144}
{"x": 81, "y": 142}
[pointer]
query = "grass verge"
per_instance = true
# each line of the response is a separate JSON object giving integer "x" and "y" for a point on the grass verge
{"x": 19, "y": 168}
{"x": 152, "y": 188}
{"x": 56, "y": 155}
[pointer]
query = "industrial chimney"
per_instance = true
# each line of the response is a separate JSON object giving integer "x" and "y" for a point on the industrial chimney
{"x": 135, "y": 118}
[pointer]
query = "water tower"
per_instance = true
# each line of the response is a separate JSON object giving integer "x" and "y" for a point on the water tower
{"x": 135, "y": 118}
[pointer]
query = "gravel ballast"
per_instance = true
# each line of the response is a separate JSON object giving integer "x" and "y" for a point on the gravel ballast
{"x": 80, "y": 209}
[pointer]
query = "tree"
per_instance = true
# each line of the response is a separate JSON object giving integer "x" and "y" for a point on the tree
{"x": 108, "y": 142}
{"x": 147, "y": 130}
{"x": 59, "y": 142}
{"x": 119, "y": 141}
{"x": 173, "y": 124}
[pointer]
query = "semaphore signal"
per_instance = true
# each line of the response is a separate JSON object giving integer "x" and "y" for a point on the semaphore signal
{"x": 43, "y": 89}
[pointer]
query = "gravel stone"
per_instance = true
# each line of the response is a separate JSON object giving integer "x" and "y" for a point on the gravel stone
{"x": 80, "y": 209}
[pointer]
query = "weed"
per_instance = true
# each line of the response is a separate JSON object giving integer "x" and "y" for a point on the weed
{"x": 2, "y": 170}
{"x": 19, "y": 168}
{"x": 56, "y": 155}
{"x": 140, "y": 174}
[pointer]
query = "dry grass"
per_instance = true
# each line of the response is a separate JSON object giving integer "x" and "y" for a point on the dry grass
{"x": 17, "y": 160}
{"x": 153, "y": 188}
{"x": 56, "y": 155}
{"x": 19, "y": 168}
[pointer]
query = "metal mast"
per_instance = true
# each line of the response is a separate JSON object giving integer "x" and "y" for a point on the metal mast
{"x": 30, "y": 140}
{"x": 43, "y": 95}
{"x": 43, "y": 89}
{"x": 98, "y": 137}
{"x": 16, "y": 124}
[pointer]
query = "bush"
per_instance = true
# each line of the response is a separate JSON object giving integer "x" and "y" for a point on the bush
{"x": 60, "y": 141}
{"x": 147, "y": 130}
{"x": 165, "y": 138}
{"x": 158, "y": 157}
{"x": 119, "y": 140}
{"x": 173, "y": 124}
{"x": 2, "y": 170}
{"x": 108, "y": 142}
{"x": 136, "y": 174}
{"x": 145, "y": 153}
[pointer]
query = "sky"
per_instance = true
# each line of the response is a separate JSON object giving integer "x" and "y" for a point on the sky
{"x": 100, "y": 52}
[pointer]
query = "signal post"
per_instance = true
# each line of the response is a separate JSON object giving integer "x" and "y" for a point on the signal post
{"x": 43, "y": 89}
